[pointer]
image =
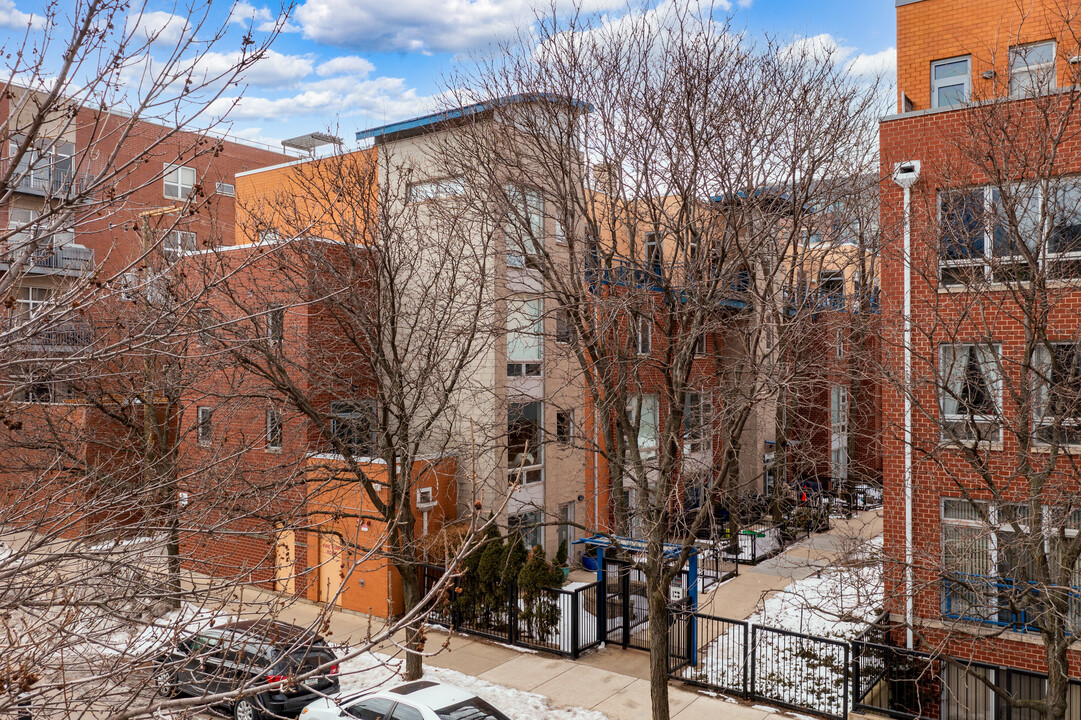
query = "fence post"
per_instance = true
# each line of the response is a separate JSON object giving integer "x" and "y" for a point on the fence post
{"x": 512, "y": 613}
{"x": 749, "y": 659}
{"x": 602, "y": 606}
{"x": 857, "y": 690}
{"x": 847, "y": 679}
{"x": 625, "y": 592}
{"x": 574, "y": 624}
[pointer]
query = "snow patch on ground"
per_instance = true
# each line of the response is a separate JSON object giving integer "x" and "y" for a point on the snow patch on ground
{"x": 375, "y": 671}
{"x": 837, "y": 604}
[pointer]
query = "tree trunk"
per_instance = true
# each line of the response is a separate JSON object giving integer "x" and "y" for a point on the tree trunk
{"x": 658, "y": 645}
{"x": 414, "y": 631}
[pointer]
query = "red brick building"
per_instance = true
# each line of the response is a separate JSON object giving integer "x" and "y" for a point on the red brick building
{"x": 980, "y": 311}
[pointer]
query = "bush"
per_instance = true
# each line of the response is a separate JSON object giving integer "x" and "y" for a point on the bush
{"x": 561, "y": 554}
{"x": 540, "y": 611}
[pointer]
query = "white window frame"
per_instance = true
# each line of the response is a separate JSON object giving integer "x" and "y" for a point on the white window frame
{"x": 36, "y": 300}
{"x": 839, "y": 460}
{"x": 204, "y": 425}
{"x": 566, "y": 421}
{"x": 225, "y": 189}
{"x": 839, "y": 343}
{"x": 180, "y": 187}
{"x": 177, "y": 242}
{"x": 654, "y": 247}
{"x": 425, "y": 497}
{"x": 698, "y": 422}
{"x": 965, "y": 80}
{"x": 525, "y": 225}
{"x": 1027, "y": 194}
{"x": 527, "y": 517}
{"x": 440, "y": 189}
{"x": 650, "y": 402}
{"x": 1041, "y": 362}
{"x": 995, "y": 387}
{"x": 1021, "y": 68}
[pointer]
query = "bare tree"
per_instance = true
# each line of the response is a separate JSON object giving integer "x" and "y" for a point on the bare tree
{"x": 682, "y": 164}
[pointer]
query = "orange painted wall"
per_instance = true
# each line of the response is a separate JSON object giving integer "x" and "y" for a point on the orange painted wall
{"x": 296, "y": 198}
{"x": 369, "y": 583}
{"x": 931, "y": 30}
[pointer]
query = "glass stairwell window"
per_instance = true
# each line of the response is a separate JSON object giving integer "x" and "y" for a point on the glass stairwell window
{"x": 525, "y": 225}
{"x": 525, "y": 337}
{"x": 525, "y": 442}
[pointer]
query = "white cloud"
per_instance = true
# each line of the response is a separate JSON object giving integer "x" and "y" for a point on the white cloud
{"x": 160, "y": 28}
{"x": 11, "y": 17}
{"x": 420, "y": 25}
{"x": 272, "y": 25}
{"x": 244, "y": 12}
{"x": 345, "y": 65}
{"x": 379, "y": 97}
{"x": 272, "y": 70}
{"x": 881, "y": 64}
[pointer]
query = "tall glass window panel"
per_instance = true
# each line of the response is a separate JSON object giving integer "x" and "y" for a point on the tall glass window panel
{"x": 525, "y": 337}
{"x": 962, "y": 224}
{"x": 647, "y": 425}
{"x": 1057, "y": 394}
{"x": 525, "y": 448}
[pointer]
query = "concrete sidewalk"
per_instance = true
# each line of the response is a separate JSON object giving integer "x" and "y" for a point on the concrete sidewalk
{"x": 744, "y": 594}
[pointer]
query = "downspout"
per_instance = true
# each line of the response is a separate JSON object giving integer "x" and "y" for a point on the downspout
{"x": 905, "y": 175}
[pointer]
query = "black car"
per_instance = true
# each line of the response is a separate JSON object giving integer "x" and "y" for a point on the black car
{"x": 247, "y": 654}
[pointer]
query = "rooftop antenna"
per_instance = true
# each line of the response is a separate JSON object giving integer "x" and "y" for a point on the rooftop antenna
{"x": 308, "y": 143}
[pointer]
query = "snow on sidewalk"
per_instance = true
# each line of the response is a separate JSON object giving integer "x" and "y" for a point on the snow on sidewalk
{"x": 374, "y": 670}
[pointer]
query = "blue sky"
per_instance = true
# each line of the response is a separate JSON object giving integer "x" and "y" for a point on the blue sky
{"x": 352, "y": 64}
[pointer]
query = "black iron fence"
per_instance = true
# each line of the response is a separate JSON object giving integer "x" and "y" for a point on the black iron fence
{"x": 564, "y": 621}
{"x": 758, "y": 662}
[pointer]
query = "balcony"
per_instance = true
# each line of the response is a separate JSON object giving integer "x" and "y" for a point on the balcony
{"x": 44, "y": 337}
{"x": 45, "y": 180}
{"x": 49, "y": 259}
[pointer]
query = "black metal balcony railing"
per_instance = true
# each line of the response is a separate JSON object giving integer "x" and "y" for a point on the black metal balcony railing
{"x": 737, "y": 295}
{"x": 68, "y": 336}
{"x": 71, "y": 257}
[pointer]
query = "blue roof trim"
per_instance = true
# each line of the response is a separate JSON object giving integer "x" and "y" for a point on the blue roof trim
{"x": 466, "y": 111}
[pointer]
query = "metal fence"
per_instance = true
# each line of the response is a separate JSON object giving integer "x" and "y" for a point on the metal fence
{"x": 781, "y": 667}
{"x": 564, "y": 621}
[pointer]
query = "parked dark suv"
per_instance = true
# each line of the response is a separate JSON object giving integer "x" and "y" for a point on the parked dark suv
{"x": 250, "y": 653}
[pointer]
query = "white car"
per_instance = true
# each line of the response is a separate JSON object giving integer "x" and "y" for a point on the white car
{"x": 420, "y": 700}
